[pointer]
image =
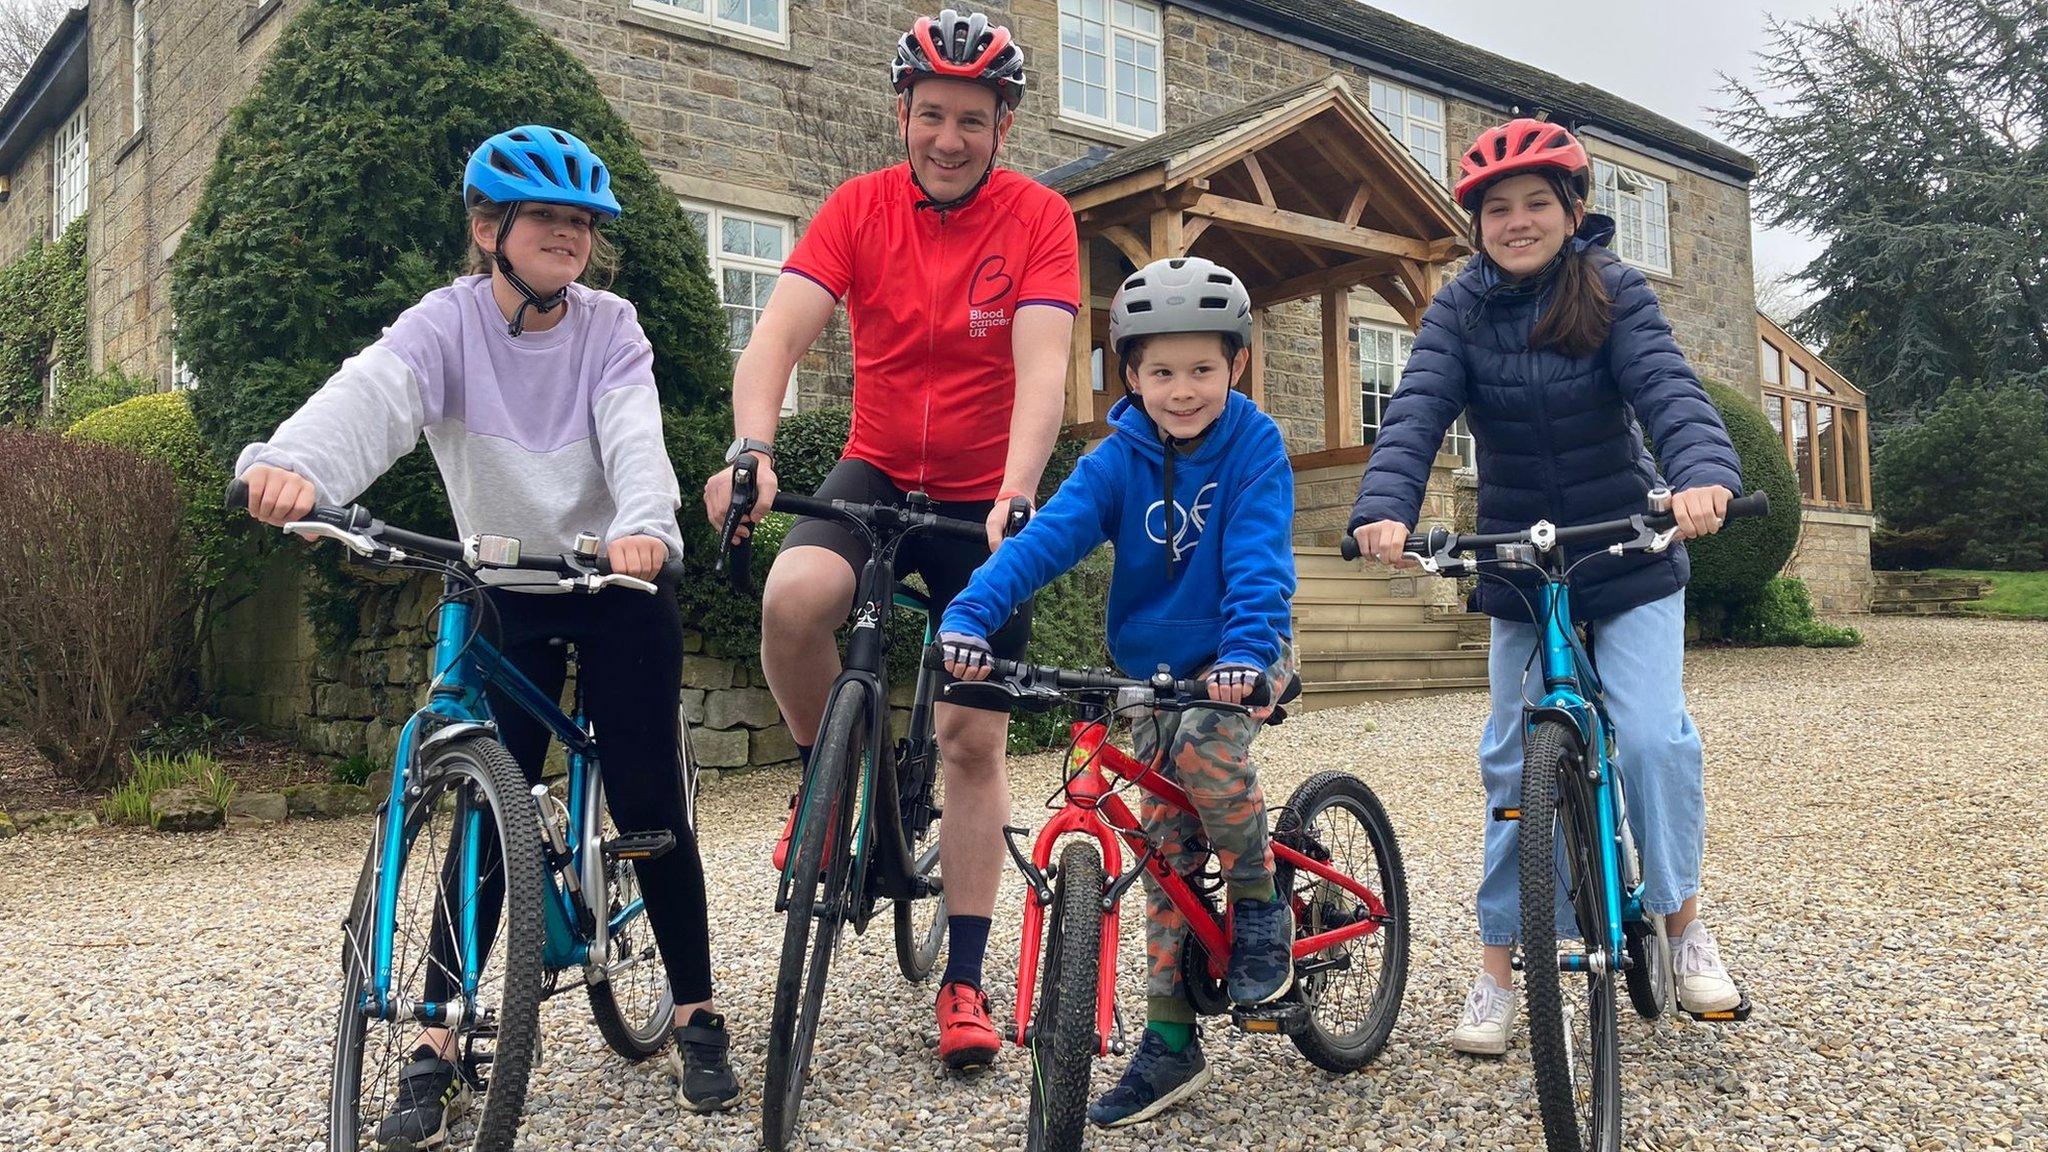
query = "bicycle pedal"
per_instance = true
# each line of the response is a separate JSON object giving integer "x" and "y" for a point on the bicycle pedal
{"x": 1735, "y": 1015}
{"x": 1281, "y": 1019}
{"x": 1507, "y": 813}
{"x": 640, "y": 845}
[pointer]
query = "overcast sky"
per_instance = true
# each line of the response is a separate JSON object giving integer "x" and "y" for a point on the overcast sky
{"x": 1662, "y": 54}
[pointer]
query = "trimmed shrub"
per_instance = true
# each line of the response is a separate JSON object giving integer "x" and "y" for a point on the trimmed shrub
{"x": 1964, "y": 488}
{"x": 1732, "y": 566}
{"x": 1782, "y": 616}
{"x": 333, "y": 205}
{"x": 89, "y": 574}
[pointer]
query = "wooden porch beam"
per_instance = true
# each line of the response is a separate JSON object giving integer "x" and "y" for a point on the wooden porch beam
{"x": 1193, "y": 229}
{"x": 1285, "y": 225}
{"x": 1167, "y": 237}
{"x": 1118, "y": 189}
{"x": 1080, "y": 374}
{"x": 1255, "y": 372}
{"x": 1340, "y": 391}
{"x": 1356, "y": 207}
{"x": 1127, "y": 242}
{"x": 1258, "y": 174}
{"x": 1344, "y": 276}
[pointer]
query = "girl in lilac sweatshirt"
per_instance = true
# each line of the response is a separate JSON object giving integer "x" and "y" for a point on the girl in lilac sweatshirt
{"x": 536, "y": 395}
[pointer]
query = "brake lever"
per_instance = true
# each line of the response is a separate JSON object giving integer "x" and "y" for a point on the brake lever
{"x": 736, "y": 512}
{"x": 592, "y": 582}
{"x": 355, "y": 542}
{"x": 1646, "y": 539}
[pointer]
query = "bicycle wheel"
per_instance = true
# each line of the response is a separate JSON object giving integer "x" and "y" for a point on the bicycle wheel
{"x": 471, "y": 795}
{"x": 819, "y": 903}
{"x": 1352, "y": 1004}
{"x": 921, "y": 924}
{"x": 1063, "y": 1038}
{"x": 1571, "y": 1014}
{"x": 633, "y": 1005}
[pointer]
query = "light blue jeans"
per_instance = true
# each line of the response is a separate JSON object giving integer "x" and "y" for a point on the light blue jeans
{"x": 1641, "y": 657}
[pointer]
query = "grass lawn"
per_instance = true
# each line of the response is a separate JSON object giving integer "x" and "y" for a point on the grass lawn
{"x": 2018, "y": 594}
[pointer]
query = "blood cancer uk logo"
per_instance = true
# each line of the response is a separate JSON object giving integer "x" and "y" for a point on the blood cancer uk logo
{"x": 1188, "y": 522}
{"x": 985, "y": 295}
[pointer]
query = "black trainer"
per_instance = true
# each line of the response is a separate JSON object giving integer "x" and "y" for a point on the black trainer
{"x": 704, "y": 1079}
{"x": 1261, "y": 951}
{"x": 430, "y": 1093}
{"x": 1157, "y": 1079}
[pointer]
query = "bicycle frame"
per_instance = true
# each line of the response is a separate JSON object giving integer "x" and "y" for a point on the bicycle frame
{"x": 1572, "y": 693}
{"x": 1092, "y": 809}
{"x": 464, "y": 666}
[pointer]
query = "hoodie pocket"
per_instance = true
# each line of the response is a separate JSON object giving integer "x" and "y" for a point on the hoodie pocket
{"x": 1145, "y": 642}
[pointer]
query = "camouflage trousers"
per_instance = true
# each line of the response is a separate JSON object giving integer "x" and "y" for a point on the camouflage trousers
{"x": 1208, "y": 753}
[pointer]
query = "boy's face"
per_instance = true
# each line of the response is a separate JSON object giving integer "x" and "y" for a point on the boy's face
{"x": 1184, "y": 380}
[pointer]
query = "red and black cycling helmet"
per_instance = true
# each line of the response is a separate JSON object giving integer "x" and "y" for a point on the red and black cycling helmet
{"x": 1521, "y": 145}
{"x": 960, "y": 46}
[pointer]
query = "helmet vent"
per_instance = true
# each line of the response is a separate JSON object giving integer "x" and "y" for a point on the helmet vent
{"x": 504, "y": 164}
{"x": 1135, "y": 282}
{"x": 1139, "y": 305}
{"x": 520, "y": 135}
{"x": 1527, "y": 143}
{"x": 575, "y": 171}
{"x": 1215, "y": 302}
{"x": 1500, "y": 147}
{"x": 1220, "y": 278}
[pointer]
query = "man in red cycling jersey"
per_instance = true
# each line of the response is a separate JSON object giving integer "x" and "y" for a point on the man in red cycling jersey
{"x": 961, "y": 281}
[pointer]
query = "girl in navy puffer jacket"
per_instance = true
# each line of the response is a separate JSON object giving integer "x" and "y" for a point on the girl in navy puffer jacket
{"x": 1559, "y": 356}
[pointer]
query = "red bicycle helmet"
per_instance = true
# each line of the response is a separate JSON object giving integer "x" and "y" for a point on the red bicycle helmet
{"x": 1521, "y": 145}
{"x": 960, "y": 46}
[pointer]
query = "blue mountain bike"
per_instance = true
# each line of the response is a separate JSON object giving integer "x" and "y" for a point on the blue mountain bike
{"x": 1573, "y": 831}
{"x": 532, "y": 893}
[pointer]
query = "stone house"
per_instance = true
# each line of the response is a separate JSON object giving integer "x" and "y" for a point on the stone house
{"x": 752, "y": 110}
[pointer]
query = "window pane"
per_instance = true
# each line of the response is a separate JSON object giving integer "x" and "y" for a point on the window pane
{"x": 734, "y": 10}
{"x": 736, "y": 287}
{"x": 1126, "y": 109}
{"x": 1852, "y": 458}
{"x": 1121, "y": 10}
{"x": 735, "y": 237}
{"x": 1774, "y": 411}
{"x": 1098, "y": 100}
{"x": 1824, "y": 444}
{"x": 1148, "y": 116}
{"x": 767, "y": 241}
{"x": 1091, "y": 10}
{"x": 1796, "y": 377}
{"x": 1147, "y": 19}
{"x": 1147, "y": 55}
{"x": 1070, "y": 34}
{"x": 1767, "y": 360}
{"x": 1071, "y": 98}
{"x": 1802, "y": 449}
{"x": 1097, "y": 70}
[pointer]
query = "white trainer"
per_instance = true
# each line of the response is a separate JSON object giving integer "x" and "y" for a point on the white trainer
{"x": 1489, "y": 1017}
{"x": 1703, "y": 983}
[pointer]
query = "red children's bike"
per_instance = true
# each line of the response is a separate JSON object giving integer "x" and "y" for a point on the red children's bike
{"x": 1334, "y": 857}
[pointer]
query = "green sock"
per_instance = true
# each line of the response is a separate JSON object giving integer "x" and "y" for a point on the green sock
{"x": 1255, "y": 890}
{"x": 1176, "y": 1034}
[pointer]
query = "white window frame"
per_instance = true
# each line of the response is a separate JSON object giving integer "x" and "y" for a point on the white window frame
{"x": 53, "y": 382}
{"x": 1641, "y": 207}
{"x": 721, "y": 261}
{"x": 1120, "y": 33}
{"x": 70, "y": 173}
{"x": 138, "y": 65}
{"x": 1372, "y": 402}
{"x": 182, "y": 379}
{"x": 1411, "y": 124}
{"x": 706, "y": 13}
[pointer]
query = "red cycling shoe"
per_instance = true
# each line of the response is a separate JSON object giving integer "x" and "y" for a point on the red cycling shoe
{"x": 967, "y": 1037}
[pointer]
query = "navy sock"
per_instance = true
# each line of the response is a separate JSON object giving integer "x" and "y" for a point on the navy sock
{"x": 969, "y": 939}
{"x": 803, "y": 753}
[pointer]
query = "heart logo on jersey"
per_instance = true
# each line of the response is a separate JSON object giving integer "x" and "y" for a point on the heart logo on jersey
{"x": 990, "y": 283}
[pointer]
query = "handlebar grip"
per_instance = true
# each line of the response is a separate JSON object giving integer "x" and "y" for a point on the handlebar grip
{"x": 1348, "y": 547}
{"x": 1754, "y": 506}
{"x": 671, "y": 569}
{"x": 237, "y": 499}
{"x": 1020, "y": 515}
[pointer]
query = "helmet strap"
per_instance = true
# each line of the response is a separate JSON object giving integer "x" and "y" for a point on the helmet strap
{"x": 530, "y": 298}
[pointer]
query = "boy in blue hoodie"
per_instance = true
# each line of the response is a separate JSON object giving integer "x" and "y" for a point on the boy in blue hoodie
{"x": 1194, "y": 488}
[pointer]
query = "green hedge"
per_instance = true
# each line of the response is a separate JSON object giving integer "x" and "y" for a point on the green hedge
{"x": 1782, "y": 615}
{"x": 160, "y": 426}
{"x": 333, "y": 205}
{"x": 1965, "y": 487}
{"x": 1733, "y": 566}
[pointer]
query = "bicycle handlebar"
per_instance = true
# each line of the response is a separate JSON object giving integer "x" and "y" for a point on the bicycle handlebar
{"x": 1443, "y": 545}
{"x": 915, "y": 516}
{"x": 378, "y": 542}
{"x": 1042, "y": 681}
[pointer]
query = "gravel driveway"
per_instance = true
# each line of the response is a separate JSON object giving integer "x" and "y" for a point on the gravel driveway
{"x": 1875, "y": 872}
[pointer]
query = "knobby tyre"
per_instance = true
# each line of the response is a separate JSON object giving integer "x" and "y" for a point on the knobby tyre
{"x": 469, "y": 776}
{"x": 1572, "y": 1021}
{"x": 819, "y": 902}
{"x": 1335, "y": 817}
{"x": 921, "y": 924}
{"x": 1063, "y": 1039}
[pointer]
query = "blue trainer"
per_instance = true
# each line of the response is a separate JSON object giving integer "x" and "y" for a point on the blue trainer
{"x": 1157, "y": 1079}
{"x": 1261, "y": 951}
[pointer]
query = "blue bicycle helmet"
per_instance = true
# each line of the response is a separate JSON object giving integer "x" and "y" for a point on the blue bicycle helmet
{"x": 536, "y": 163}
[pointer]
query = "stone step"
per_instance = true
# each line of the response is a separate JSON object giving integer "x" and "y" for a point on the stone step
{"x": 1343, "y": 694}
{"x": 1930, "y": 590}
{"x": 1327, "y": 562}
{"x": 1340, "y": 611}
{"x": 1401, "y": 665}
{"x": 1350, "y": 639}
{"x": 1363, "y": 587}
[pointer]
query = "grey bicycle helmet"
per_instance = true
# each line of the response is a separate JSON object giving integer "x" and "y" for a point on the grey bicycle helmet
{"x": 1180, "y": 294}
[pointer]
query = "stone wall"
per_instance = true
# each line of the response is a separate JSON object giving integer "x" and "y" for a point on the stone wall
{"x": 1323, "y": 498}
{"x": 267, "y": 666}
{"x": 1833, "y": 558}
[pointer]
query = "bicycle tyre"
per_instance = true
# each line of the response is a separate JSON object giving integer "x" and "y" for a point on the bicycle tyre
{"x": 473, "y": 770}
{"x": 1327, "y": 1047}
{"x": 1580, "y": 1106}
{"x": 1063, "y": 1037}
{"x": 1648, "y": 976}
{"x": 635, "y": 1024}
{"x": 920, "y": 923}
{"x": 818, "y": 906}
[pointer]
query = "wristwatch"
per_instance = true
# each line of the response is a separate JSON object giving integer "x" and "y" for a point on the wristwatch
{"x": 748, "y": 444}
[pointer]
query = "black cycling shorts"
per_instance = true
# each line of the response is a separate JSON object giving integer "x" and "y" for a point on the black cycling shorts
{"x": 945, "y": 562}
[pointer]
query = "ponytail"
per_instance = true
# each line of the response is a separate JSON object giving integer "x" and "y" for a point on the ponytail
{"x": 1580, "y": 313}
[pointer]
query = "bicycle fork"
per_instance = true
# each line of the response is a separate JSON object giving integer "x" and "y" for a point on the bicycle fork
{"x": 1085, "y": 793}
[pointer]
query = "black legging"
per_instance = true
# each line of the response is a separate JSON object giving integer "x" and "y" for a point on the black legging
{"x": 631, "y": 648}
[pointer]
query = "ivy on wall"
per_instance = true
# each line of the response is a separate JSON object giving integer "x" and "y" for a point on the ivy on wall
{"x": 46, "y": 308}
